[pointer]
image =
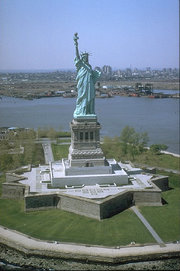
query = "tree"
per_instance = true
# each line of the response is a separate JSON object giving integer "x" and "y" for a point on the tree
{"x": 4, "y": 145}
{"x": 143, "y": 140}
{"x": 6, "y": 161}
{"x": 127, "y": 137}
{"x": 157, "y": 148}
{"x": 42, "y": 133}
{"x": 51, "y": 133}
{"x": 132, "y": 141}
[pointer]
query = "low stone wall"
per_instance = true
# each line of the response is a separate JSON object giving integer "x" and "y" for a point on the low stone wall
{"x": 72, "y": 171}
{"x": 147, "y": 197}
{"x": 78, "y": 205}
{"x": 41, "y": 202}
{"x": 31, "y": 248}
{"x": 161, "y": 182}
{"x": 151, "y": 170}
{"x": 81, "y": 206}
{"x": 12, "y": 177}
{"x": 18, "y": 258}
{"x": 97, "y": 209}
{"x": 90, "y": 179}
{"x": 116, "y": 204}
{"x": 14, "y": 190}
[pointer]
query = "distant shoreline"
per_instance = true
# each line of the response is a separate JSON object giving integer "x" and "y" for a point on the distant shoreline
{"x": 45, "y": 86}
{"x": 175, "y": 94}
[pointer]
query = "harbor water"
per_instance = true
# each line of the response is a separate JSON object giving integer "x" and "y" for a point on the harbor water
{"x": 158, "y": 117}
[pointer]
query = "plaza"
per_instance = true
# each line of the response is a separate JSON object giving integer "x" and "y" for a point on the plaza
{"x": 38, "y": 180}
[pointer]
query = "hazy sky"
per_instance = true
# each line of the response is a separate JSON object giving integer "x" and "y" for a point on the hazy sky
{"x": 38, "y": 34}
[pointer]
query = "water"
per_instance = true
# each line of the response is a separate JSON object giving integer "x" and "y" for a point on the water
{"x": 158, "y": 117}
{"x": 165, "y": 91}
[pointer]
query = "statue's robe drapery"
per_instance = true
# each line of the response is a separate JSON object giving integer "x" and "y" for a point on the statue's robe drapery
{"x": 86, "y": 79}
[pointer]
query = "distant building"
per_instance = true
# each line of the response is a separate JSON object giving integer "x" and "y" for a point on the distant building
{"x": 107, "y": 70}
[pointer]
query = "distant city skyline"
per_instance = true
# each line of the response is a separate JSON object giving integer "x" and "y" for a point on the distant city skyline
{"x": 38, "y": 34}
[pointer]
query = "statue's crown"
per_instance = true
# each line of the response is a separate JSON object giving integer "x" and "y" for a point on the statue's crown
{"x": 85, "y": 54}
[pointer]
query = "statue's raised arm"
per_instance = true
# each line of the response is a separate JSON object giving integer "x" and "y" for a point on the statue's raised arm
{"x": 76, "y": 44}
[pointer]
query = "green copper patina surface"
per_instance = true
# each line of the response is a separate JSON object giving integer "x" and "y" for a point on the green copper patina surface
{"x": 86, "y": 79}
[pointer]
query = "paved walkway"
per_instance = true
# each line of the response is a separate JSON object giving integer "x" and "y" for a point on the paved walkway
{"x": 168, "y": 170}
{"x": 148, "y": 226}
{"x": 28, "y": 244}
{"x": 171, "y": 153}
{"x": 48, "y": 154}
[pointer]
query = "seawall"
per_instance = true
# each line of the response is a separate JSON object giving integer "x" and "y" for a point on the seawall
{"x": 39, "y": 248}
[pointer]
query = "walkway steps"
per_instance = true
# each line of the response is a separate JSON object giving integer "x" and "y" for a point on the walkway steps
{"x": 148, "y": 226}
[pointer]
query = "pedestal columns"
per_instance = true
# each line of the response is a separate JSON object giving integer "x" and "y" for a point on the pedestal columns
{"x": 85, "y": 147}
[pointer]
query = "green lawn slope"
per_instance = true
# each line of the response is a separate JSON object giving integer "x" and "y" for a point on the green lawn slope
{"x": 166, "y": 219}
{"x": 63, "y": 226}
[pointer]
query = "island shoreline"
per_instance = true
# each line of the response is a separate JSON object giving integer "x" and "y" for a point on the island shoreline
{"x": 25, "y": 247}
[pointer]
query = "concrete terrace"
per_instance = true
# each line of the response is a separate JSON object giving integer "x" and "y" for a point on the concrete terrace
{"x": 39, "y": 178}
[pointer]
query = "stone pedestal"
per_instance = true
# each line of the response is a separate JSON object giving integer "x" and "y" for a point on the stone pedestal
{"x": 85, "y": 150}
{"x": 86, "y": 164}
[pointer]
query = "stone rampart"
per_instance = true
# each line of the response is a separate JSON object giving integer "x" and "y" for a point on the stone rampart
{"x": 12, "y": 177}
{"x": 161, "y": 182}
{"x": 14, "y": 190}
{"x": 116, "y": 204}
{"x": 80, "y": 206}
{"x": 151, "y": 170}
{"x": 97, "y": 209}
{"x": 147, "y": 197}
{"x": 41, "y": 202}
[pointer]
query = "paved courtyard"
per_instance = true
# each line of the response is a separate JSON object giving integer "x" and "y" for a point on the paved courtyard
{"x": 39, "y": 178}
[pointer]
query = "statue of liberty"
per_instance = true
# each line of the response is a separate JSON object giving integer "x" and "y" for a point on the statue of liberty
{"x": 86, "y": 79}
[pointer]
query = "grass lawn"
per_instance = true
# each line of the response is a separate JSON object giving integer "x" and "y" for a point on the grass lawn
{"x": 64, "y": 140}
{"x": 63, "y": 226}
{"x": 60, "y": 151}
{"x": 166, "y": 219}
{"x": 2, "y": 180}
{"x": 160, "y": 160}
{"x": 113, "y": 149}
{"x": 118, "y": 230}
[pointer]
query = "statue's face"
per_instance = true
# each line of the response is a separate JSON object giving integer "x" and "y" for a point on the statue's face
{"x": 85, "y": 58}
